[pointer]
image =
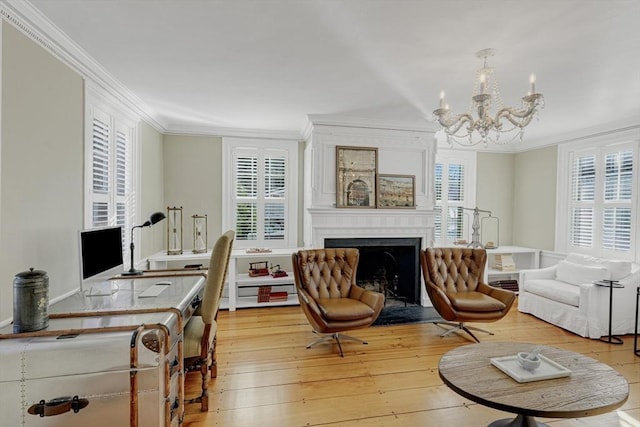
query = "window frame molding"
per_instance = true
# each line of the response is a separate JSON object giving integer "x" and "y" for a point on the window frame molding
{"x": 600, "y": 145}
{"x": 469, "y": 159}
{"x": 99, "y": 102}
{"x": 229, "y": 145}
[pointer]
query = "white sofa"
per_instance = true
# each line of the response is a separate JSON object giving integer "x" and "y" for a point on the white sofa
{"x": 565, "y": 296}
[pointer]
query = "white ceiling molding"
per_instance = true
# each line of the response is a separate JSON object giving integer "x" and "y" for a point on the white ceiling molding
{"x": 234, "y": 132}
{"x": 629, "y": 125}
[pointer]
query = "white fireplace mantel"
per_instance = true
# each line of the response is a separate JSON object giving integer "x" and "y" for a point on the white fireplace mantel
{"x": 329, "y": 223}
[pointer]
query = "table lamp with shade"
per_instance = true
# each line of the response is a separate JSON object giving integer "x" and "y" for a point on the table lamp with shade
{"x": 155, "y": 218}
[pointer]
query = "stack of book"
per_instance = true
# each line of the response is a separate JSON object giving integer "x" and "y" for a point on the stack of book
{"x": 264, "y": 293}
{"x": 504, "y": 262}
{"x": 510, "y": 284}
{"x": 278, "y": 296}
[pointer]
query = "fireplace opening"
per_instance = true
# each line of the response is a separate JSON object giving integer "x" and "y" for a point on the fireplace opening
{"x": 387, "y": 265}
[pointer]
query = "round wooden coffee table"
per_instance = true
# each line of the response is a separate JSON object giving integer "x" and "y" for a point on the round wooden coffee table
{"x": 592, "y": 388}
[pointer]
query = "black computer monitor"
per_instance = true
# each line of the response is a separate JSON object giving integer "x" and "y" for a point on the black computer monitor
{"x": 100, "y": 254}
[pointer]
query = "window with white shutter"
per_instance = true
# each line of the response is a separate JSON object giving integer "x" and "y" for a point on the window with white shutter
{"x": 110, "y": 190}
{"x": 602, "y": 185}
{"x": 452, "y": 194}
{"x": 262, "y": 184}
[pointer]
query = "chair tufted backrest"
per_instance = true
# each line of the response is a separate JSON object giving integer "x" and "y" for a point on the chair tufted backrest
{"x": 456, "y": 269}
{"x": 328, "y": 273}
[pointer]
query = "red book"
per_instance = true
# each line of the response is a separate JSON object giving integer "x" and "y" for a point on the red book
{"x": 278, "y": 296}
{"x": 264, "y": 293}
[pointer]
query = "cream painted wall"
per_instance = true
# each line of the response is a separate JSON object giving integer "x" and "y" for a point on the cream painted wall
{"x": 495, "y": 190}
{"x": 193, "y": 180}
{"x": 152, "y": 193}
{"x": 42, "y": 167}
{"x": 534, "y": 199}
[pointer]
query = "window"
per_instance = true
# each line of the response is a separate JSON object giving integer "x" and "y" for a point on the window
{"x": 453, "y": 193}
{"x": 261, "y": 191}
{"x": 109, "y": 164}
{"x": 598, "y": 215}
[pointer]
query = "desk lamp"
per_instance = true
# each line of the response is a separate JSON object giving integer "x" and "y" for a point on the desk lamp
{"x": 155, "y": 217}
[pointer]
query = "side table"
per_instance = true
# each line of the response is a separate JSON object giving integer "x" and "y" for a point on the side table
{"x": 611, "y": 339}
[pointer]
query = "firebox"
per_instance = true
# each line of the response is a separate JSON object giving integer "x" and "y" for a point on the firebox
{"x": 387, "y": 265}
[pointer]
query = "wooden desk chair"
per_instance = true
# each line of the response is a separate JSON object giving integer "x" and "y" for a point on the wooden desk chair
{"x": 200, "y": 332}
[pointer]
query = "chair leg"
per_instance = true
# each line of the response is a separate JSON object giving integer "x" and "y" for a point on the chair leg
{"x": 460, "y": 326}
{"x": 204, "y": 397}
{"x": 335, "y": 336}
{"x": 214, "y": 363}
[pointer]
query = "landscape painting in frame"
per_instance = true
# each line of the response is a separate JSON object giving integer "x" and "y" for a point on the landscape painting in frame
{"x": 356, "y": 171}
{"x": 396, "y": 191}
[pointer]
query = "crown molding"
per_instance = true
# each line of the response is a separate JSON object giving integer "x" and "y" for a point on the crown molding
{"x": 33, "y": 24}
{"x": 234, "y": 132}
{"x": 627, "y": 125}
{"x": 364, "y": 123}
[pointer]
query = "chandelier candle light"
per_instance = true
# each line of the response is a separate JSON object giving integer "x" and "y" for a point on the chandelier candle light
{"x": 466, "y": 130}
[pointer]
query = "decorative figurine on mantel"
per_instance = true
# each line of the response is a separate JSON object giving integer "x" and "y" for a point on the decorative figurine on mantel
{"x": 199, "y": 234}
{"x": 174, "y": 231}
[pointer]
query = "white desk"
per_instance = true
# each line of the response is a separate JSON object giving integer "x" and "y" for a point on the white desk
{"x": 160, "y": 259}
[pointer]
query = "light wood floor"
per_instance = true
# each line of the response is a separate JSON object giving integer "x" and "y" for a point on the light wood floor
{"x": 266, "y": 376}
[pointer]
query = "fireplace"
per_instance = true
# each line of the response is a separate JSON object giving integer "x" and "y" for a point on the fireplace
{"x": 387, "y": 265}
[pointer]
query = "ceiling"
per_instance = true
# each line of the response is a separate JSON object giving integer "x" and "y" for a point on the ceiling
{"x": 268, "y": 65}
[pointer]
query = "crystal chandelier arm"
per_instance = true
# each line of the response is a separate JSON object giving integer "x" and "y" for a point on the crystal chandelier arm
{"x": 452, "y": 125}
{"x": 522, "y": 117}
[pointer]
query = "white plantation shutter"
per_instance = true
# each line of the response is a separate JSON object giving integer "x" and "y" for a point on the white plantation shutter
{"x": 262, "y": 184}
{"x": 582, "y": 227}
{"x": 101, "y": 156}
{"x": 260, "y": 196}
{"x": 110, "y": 171}
{"x": 246, "y": 197}
{"x": 602, "y": 196}
{"x": 275, "y": 187}
{"x": 616, "y": 229}
{"x": 583, "y": 190}
{"x": 451, "y": 196}
{"x": 618, "y": 191}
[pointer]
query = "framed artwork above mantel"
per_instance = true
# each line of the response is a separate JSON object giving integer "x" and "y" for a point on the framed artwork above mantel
{"x": 396, "y": 191}
{"x": 356, "y": 177}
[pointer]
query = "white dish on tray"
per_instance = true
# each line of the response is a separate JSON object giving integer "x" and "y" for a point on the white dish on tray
{"x": 547, "y": 370}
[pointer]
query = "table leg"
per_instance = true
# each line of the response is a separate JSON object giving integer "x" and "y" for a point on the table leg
{"x": 611, "y": 339}
{"x": 519, "y": 421}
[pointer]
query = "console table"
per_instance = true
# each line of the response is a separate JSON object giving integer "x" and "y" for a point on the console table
{"x": 237, "y": 279}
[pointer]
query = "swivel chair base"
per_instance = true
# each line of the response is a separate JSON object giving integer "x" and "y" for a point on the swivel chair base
{"x": 335, "y": 336}
{"x": 460, "y": 326}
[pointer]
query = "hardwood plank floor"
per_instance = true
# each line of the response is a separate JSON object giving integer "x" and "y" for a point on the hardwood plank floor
{"x": 266, "y": 376}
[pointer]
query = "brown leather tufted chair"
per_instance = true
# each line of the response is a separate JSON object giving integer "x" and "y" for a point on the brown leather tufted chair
{"x": 328, "y": 294}
{"x": 453, "y": 278}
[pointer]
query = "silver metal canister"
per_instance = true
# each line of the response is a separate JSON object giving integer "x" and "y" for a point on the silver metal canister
{"x": 30, "y": 301}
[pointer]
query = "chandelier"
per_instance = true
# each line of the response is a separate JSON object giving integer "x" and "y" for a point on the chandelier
{"x": 466, "y": 130}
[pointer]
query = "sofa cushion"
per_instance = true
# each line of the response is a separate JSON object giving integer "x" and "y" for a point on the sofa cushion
{"x": 618, "y": 269}
{"x": 554, "y": 290}
{"x": 577, "y": 274}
